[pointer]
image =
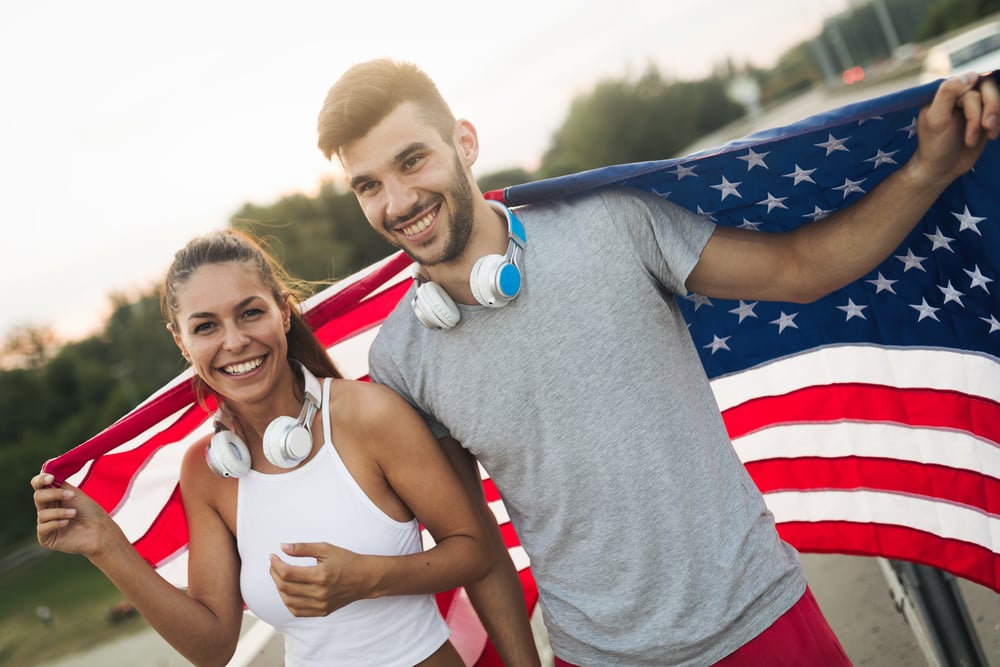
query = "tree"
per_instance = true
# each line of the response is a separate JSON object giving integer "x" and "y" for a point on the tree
{"x": 320, "y": 238}
{"x": 946, "y": 16}
{"x": 28, "y": 346}
{"x": 499, "y": 180}
{"x": 649, "y": 119}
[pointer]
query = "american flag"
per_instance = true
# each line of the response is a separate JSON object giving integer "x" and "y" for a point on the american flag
{"x": 870, "y": 419}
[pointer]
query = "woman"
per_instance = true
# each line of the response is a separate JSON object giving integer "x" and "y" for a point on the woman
{"x": 301, "y": 460}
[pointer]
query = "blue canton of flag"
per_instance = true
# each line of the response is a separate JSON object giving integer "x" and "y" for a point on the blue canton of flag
{"x": 935, "y": 290}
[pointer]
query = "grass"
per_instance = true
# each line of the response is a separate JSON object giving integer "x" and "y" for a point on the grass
{"x": 79, "y": 597}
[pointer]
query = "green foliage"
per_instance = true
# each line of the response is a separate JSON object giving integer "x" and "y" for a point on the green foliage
{"x": 950, "y": 15}
{"x": 794, "y": 72}
{"x": 78, "y": 597}
{"x": 28, "y": 347}
{"x": 502, "y": 179}
{"x": 856, "y": 37}
{"x": 318, "y": 238}
{"x": 632, "y": 121}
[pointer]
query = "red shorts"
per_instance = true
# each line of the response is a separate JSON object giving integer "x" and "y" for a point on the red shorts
{"x": 801, "y": 637}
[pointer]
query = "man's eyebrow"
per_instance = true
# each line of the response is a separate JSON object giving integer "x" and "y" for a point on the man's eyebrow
{"x": 397, "y": 159}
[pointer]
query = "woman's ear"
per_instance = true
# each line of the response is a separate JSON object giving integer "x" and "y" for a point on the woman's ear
{"x": 178, "y": 342}
{"x": 286, "y": 314}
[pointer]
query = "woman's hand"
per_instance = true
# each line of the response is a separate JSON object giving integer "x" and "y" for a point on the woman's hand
{"x": 338, "y": 578}
{"x": 68, "y": 520}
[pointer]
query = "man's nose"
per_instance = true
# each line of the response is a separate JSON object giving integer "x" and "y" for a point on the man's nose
{"x": 400, "y": 199}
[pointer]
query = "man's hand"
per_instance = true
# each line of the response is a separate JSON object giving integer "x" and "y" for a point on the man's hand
{"x": 338, "y": 578}
{"x": 954, "y": 128}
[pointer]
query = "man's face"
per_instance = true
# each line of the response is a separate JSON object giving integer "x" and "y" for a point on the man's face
{"x": 412, "y": 186}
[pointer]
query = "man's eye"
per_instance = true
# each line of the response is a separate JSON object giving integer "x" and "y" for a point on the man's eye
{"x": 412, "y": 162}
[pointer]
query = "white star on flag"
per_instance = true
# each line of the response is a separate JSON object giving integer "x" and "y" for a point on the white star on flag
{"x": 968, "y": 221}
{"x": 833, "y": 144}
{"x": 727, "y": 188}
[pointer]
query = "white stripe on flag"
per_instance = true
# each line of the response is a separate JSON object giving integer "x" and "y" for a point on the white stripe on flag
{"x": 966, "y": 372}
{"x": 953, "y": 449}
{"x": 947, "y": 520}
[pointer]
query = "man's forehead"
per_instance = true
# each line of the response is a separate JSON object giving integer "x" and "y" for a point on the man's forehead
{"x": 389, "y": 140}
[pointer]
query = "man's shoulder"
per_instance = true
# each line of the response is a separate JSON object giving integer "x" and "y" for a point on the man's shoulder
{"x": 610, "y": 197}
{"x": 397, "y": 328}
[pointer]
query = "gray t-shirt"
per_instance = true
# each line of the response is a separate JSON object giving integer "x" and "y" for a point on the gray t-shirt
{"x": 586, "y": 402}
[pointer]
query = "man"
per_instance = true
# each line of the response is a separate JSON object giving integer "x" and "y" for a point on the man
{"x": 583, "y": 396}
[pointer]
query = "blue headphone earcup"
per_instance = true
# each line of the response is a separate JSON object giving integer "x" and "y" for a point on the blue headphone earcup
{"x": 227, "y": 455}
{"x": 494, "y": 281}
{"x": 434, "y": 307}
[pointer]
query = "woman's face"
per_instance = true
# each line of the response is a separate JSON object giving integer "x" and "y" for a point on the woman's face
{"x": 232, "y": 329}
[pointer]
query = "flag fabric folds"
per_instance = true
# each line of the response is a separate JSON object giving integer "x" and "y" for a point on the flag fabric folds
{"x": 870, "y": 419}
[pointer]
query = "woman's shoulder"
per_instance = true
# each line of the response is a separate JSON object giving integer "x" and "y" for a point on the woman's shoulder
{"x": 361, "y": 399}
{"x": 194, "y": 467}
{"x": 369, "y": 408}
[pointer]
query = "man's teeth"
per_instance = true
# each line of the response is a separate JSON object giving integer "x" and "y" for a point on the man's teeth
{"x": 419, "y": 226}
{"x": 245, "y": 367}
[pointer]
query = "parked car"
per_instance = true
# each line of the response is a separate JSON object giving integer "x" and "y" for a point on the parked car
{"x": 976, "y": 50}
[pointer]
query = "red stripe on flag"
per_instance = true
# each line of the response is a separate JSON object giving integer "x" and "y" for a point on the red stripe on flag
{"x": 855, "y": 472}
{"x": 342, "y": 301}
{"x": 117, "y": 471}
{"x": 490, "y": 490}
{"x": 510, "y": 537}
{"x": 128, "y": 427}
{"x": 969, "y": 561}
{"x": 168, "y": 533}
{"x": 363, "y": 317}
{"x": 865, "y": 402}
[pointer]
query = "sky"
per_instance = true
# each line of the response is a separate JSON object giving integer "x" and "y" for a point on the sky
{"x": 127, "y": 128}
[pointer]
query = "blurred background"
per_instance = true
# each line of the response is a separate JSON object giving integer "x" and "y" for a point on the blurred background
{"x": 126, "y": 128}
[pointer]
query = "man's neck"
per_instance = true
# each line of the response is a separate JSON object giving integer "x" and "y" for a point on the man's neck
{"x": 489, "y": 236}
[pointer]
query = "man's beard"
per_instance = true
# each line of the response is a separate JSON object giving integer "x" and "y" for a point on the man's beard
{"x": 460, "y": 232}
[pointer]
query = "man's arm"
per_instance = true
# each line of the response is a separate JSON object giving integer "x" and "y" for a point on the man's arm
{"x": 497, "y": 597}
{"x": 817, "y": 258}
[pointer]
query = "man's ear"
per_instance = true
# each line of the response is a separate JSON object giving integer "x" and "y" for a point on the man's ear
{"x": 178, "y": 342}
{"x": 466, "y": 142}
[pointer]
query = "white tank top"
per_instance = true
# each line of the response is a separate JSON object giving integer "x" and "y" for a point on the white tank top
{"x": 321, "y": 502}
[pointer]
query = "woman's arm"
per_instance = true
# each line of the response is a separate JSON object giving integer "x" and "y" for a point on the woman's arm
{"x": 203, "y": 630}
{"x": 498, "y": 597}
{"x": 394, "y": 447}
{"x": 439, "y": 483}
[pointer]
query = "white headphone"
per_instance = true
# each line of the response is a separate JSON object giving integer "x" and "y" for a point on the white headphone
{"x": 495, "y": 280}
{"x": 287, "y": 440}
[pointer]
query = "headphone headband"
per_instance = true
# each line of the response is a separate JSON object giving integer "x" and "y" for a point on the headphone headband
{"x": 310, "y": 385}
{"x": 286, "y": 441}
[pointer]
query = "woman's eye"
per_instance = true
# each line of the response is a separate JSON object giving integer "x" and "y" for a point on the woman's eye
{"x": 203, "y": 327}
